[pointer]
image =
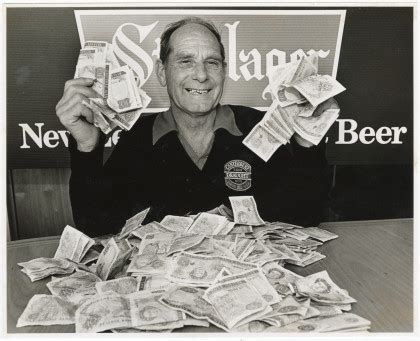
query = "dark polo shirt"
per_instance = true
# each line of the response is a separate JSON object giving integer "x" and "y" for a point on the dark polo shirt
{"x": 150, "y": 166}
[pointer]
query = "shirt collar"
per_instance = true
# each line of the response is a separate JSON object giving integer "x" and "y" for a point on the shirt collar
{"x": 225, "y": 119}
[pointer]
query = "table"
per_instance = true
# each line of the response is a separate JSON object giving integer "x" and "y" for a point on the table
{"x": 373, "y": 260}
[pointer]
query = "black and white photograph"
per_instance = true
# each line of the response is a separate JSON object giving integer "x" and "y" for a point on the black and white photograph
{"x": 223, "y": 169}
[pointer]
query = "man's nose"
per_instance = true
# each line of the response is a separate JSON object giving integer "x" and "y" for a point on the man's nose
{"x": 200, "y": 72}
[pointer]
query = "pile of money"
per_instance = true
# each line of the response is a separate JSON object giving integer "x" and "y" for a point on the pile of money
{"x": 224, "y": 267}
{"x": 120, "y": 100}
{"x": 297, "y": 90}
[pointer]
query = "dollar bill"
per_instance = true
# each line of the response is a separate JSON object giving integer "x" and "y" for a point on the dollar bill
{"x": 47, "y": 310}
{"x": 245, "y": 210}
{"x": 261, "y": 142}
{"x": 103, "y": 312}
{"x": 149, "y": 282}
{"x": 123, "y": 286}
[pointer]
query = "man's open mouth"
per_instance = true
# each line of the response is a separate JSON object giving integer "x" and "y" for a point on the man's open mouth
{"x": 197, "y": 91}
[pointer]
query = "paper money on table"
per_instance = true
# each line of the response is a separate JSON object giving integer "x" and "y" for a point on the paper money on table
{"x": 112, "y": 258}
{"x": 149, "y": 282}
{"x": 74, "y": 288}
{"x": 133, "y": 223}
{"x": 73, "y": 244}
{"x": 235, "y": 300}
{"x": 177, "y": 223}
{"x": 319, "y": 234}
{"x": 245, "y": 210}
{"x": 103, "y": 312}
{"x": 207, "y": 224}
{"x": 149, "y": 264}
{"x": 47, "y": 310}
{"x": 40, "y": 268}
{"x": 152, "y": 227}
{"x": 122, "y": 285}
{"x": 190, "y": 301}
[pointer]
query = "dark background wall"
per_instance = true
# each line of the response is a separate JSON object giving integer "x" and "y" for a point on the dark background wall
{"x": 368, "y": 182}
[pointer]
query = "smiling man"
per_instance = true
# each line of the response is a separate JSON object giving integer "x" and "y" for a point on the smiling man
{"x": 191, "y": 157}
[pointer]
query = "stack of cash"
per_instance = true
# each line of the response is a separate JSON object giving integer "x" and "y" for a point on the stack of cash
{"x": 297, "y": 90}
{"x": 223, "y": 268}
{"x": 120, "y": 100}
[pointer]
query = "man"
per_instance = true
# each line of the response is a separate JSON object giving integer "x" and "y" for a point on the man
{"x": 190, "y": 158}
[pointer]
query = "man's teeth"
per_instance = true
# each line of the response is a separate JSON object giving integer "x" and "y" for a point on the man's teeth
{"x": 197, "y": 91}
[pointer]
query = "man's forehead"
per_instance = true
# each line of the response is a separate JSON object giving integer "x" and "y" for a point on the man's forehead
{"x": 190, "y": 34}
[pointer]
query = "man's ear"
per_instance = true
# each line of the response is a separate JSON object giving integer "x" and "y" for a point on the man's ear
{"x": 160, "y": 72}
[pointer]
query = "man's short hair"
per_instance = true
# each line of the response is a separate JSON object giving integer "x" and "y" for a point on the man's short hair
{"x": 172, "y": 27}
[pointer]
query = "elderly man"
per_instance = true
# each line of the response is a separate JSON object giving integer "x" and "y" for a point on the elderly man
{"x": 191, "y": 157}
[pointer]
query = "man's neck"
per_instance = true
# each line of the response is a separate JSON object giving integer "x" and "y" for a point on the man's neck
{"x": 194, "y": 126}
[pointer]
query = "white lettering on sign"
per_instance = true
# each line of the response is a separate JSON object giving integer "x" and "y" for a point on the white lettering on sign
{"x": 37, "y": 137}
{"x": 347, "y": 133}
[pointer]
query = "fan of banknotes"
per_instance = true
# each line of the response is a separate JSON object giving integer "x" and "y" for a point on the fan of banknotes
{"x": 120, "y": 100}
{"x": 223, "y": 267}
{"x": 296, "y": 89}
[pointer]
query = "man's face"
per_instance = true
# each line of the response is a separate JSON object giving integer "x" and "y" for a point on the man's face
{"x": 194, "y": 72}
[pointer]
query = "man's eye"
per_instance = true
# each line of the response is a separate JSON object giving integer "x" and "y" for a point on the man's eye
{"x": 213, "y": 62}
{"x": 185, "y": 62}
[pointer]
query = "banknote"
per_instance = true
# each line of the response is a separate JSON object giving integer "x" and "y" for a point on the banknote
{"x": 201, "y": 270}
{"x": 86, "y": 64}
{"x": 320, "y": 288}
{"x": 243, "y": 248}
{"x": 245, "y": 210}
{"x": 279, "y": 277}
{"x": 288, "y": 306}
{"x": 146, "y": 309}
{"x": 133, "y": 223}
{"x": 261, "y": 142}
{"x": 207, "y": 224}
{"x": 152, "y": 227}
{"x": 149, "y": 264}
{"x": 319, "y": 234}
{"x": 90, "y": 256}
{"x": 318, "y": 88}
{"x": 40, "y": 268}
{"x": 184, "y": 242}
{"x": 257, "y": 279}
{"x": 190, "y": 301}
{"x": 177, "y": 223}
{"x": 313, "y": 129}
{"x": 296, "y": 234}
{"x": 99, "y": 120}
{"x": 156, "y": 243}
{"x": 225, "y": 228}
{"x": 112, "y": 258}
{"x": 101, "y": 48}
{"x": 149, "y": 282}
{"x": 123, "y": 95}
{"x": 235, "y": 300}
{"x": 73, "y": 244}
{"x": 103, "y": 312}
{"x": 123, "y": 286}
{"x": 75, "y": 287}
{"x": 47, "y": 310}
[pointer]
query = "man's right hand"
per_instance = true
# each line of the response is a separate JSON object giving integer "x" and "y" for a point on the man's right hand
{"x": 75, "y": 116}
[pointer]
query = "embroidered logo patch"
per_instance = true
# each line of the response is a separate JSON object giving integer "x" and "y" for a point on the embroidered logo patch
{"x": 238, "y": 175}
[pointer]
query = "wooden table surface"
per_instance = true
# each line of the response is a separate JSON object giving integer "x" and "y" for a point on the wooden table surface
{"x": 373, "y": 260}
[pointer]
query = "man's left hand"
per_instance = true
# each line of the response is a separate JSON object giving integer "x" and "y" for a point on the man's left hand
{"x": 330, "y": 103}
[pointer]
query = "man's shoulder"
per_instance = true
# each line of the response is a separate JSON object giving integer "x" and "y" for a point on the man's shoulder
{"x": 246, "y": 117}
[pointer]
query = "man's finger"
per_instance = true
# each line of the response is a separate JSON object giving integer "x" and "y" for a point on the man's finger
{"x": 79, "y": 81}
{"x": 77, "y": 89}
{"x": 86, "y": 113}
